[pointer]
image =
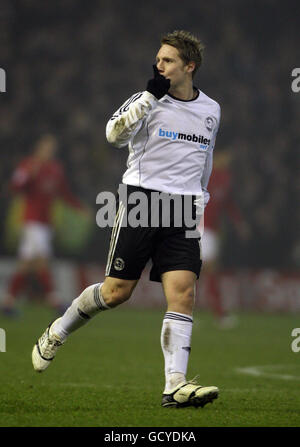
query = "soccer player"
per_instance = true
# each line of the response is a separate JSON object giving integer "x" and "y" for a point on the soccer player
{"x": 220, "y": 187}
{"x": 40, "y": 179}
{"x": 170, "y": 129}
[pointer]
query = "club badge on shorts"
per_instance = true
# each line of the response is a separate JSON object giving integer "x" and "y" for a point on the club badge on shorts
{"x": 119, "y": 264}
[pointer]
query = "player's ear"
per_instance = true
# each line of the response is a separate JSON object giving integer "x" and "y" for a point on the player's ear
{"x": 190, "y": 66}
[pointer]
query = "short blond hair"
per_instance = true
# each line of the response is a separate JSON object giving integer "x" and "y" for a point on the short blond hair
{"x": 190, "y": 48}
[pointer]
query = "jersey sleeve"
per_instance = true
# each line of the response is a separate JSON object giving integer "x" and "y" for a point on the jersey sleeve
{"x": 22, "y": 176}
{"x": 209, "y": 162}
{"x": 129, "y": 118}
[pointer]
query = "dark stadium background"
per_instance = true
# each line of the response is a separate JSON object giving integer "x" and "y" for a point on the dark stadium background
{"x": 70, "y": 64}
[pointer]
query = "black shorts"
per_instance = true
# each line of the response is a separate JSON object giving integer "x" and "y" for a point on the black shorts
{"x": 164, "y": 242}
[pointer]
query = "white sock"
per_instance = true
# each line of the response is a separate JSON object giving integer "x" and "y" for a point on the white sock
{"x": 82, "y": 309}
{"x": 176, "y": 345}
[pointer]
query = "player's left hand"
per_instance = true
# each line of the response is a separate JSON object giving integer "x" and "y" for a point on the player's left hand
{"x": 159, "y": 85}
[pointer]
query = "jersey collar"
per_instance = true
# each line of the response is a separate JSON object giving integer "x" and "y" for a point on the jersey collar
{"x": 186, "y": 100}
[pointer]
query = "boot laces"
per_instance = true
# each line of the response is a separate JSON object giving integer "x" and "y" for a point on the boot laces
{"x": 51, "y": 345}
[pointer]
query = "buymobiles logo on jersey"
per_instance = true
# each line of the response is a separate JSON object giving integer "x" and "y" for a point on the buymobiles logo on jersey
{"x": 204, "y": 142}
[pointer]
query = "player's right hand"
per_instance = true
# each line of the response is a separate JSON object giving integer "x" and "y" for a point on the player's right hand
{"x": 159, "y": 85}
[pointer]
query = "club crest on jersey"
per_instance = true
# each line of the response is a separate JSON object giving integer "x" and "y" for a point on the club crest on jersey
{"x": 204, "y": 142}
{"x": 209, "y": 123}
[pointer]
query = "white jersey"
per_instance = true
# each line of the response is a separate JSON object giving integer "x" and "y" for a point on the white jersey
{"x": 170, "y": 142}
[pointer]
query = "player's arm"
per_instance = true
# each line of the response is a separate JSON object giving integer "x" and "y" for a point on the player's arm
{"x": 23, "y": 175}
{"x": 209, "y": 162}
{"x": 206, "y": 176}
{"x": 128, "y": 119}
{"x": 202, "y": 200}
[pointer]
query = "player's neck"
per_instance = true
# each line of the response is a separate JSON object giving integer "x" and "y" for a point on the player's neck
{"x": 186, "y": 92}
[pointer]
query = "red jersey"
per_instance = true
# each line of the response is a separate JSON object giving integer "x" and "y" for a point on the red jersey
{"x": 40, "y": 186}
{"x": 220, "y": 201}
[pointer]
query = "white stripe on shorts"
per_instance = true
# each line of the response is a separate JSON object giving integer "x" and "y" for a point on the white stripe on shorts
{"x": 114, "y": 237}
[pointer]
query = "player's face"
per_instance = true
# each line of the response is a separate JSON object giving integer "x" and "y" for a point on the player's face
{"x": 171, "y": 66}
{"x": 46, "y": 148}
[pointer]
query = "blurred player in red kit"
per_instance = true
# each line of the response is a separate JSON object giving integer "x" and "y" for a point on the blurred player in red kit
{"x": 221, "y": 203}
{"x": 40, "y": 178}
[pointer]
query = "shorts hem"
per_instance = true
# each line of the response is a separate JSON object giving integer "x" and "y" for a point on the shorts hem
{"x": 157, "y": 276}
{"x": 126, "y": 277}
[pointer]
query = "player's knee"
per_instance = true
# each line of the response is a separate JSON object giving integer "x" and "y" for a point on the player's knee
{"x": 116, "y": 292}
{"x": 187, "y": 296}
{"x": 116, "y": 297}
{"x": 182, "y": 300}
{"x": 183, "y": 291}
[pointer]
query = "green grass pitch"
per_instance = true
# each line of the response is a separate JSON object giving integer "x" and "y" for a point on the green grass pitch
{"x": 110, "y": 373}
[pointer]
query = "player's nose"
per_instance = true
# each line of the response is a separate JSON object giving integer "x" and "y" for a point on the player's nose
{"x": 160, "y": 67}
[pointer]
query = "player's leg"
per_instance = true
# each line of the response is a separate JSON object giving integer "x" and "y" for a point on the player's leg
{"x": 177, "y": 264}
{"x": 179, "y": 289}
{"x": 128, "y": 253}
{"x": 16, "y": 284}
{"x": 34, "y": 253}
{"x": 210, "y": 249}
{"x": 41, "y": 251}
{"x": 177, "y": 259}
{"x": 18, "y": 280}
{"x": 93, "y": 300}
{"x": 43, "y": 274}
{"x": 89, "y": 303}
